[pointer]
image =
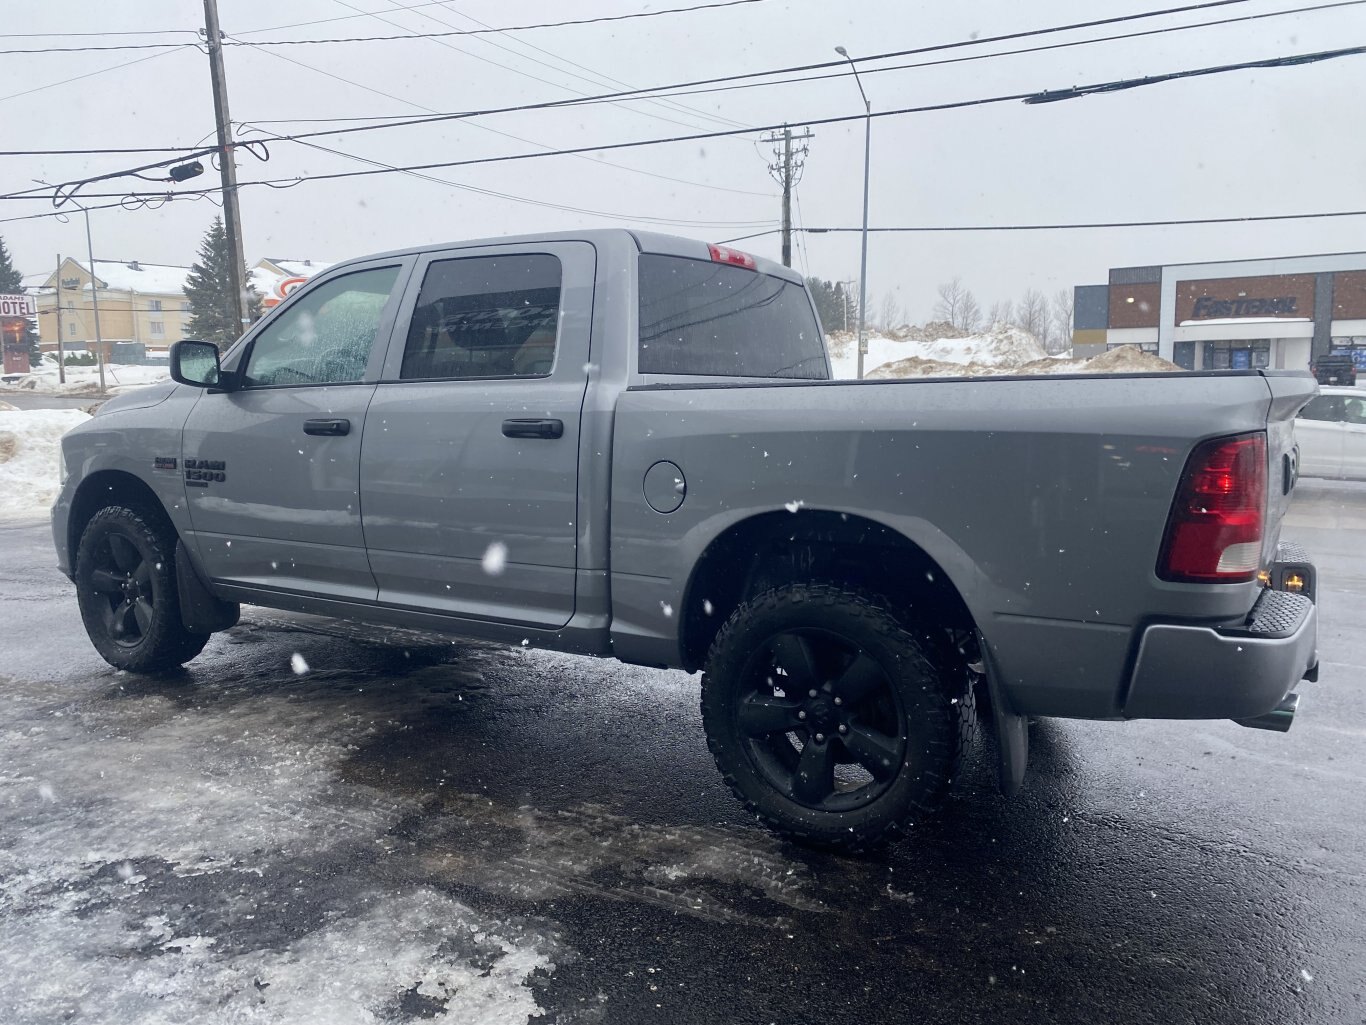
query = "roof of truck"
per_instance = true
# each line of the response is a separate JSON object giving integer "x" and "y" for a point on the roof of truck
{"x": 644, "y": 241}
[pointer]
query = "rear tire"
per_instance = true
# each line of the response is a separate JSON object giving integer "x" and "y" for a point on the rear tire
{"x": 126, "y": 588}
{"x": 828, "y": 719}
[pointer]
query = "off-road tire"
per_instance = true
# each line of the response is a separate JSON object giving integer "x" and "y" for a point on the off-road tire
{"x": 126, "y": 589}
{"x": 930, "y": 705}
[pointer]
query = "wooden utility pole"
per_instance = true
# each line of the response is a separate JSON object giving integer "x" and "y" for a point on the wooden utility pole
{"x": 787, "y": 170}
{"x": 232, "y": 218}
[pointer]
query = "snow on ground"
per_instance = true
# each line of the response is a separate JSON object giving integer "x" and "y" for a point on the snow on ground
{"x": 29, "y": 441}
{"x": 118, "y": 377}
{"x": 999, "y": 350}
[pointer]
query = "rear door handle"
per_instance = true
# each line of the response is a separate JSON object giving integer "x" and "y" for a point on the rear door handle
{"x": 533, "y": 428}
{"x": 327, "y": 427}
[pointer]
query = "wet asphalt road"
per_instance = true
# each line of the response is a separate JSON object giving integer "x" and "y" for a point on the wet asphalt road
{"x": 415, "y": 830}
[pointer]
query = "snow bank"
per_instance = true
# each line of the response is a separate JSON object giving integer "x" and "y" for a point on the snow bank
{"x": 29, "y": 442}
{"x": 86, "y": 380}
{"x": 1001, "y": 350}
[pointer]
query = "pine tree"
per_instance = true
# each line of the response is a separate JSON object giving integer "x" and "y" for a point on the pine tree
{"x": 213, "y": 308}
{"x": 12, "y": 283}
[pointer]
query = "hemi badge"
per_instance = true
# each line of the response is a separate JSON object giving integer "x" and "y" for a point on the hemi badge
{"x": 164, "y": 463}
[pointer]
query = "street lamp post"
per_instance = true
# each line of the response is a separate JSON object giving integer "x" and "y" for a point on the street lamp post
{"x": 863, "y": 258}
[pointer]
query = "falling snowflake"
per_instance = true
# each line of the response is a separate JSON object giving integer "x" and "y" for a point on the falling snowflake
{"x": 793, "y": 506}
{"x": 297, "y": 663}
{"x": 495, "y": 559}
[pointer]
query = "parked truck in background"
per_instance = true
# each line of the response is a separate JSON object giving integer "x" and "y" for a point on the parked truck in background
{"x": 626, "y": 445}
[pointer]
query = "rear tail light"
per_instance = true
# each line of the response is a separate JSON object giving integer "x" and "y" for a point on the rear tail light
{"x": 733, "y": 257}
{"x": 1214, "y": 533}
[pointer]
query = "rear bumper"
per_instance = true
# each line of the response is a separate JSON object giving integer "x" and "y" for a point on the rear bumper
{"x": 1228, "y": 672}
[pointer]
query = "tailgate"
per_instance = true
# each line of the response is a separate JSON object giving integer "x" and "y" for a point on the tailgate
{"x": 1289, "y": 393}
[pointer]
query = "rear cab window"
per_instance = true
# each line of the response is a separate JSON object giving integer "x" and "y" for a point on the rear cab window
{"x": 704, "y": 319}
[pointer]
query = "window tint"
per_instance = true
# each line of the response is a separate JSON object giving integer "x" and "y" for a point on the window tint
{"x": 1322, "y": 407}
{"x": 485, "y": 316}
{"x": 703, "y": 318}
{"x": 326, "y": 336}
{"x": 1354, "y": 410}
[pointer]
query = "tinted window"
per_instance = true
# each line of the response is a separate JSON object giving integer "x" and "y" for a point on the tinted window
{"x": 485, "y": 316}
{"x": 703, "y": 318}
{"x": 1322, "y": 407}
{"x": 1354, "y": 410}
{"x": 325, "y": 337}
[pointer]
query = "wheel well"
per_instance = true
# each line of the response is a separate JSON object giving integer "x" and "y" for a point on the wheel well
{"x": 101, "y": 490}
{"x": 773, "y": 549}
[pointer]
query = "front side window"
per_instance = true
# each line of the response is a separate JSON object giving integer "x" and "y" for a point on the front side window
{"x": 485, "y": 316}
{"x": 326, "y": 336}
{"x": 707, "y": 319}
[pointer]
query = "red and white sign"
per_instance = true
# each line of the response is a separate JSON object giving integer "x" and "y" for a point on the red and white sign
{"x": 282, "y": 289}
{"x": 18, "y": 306}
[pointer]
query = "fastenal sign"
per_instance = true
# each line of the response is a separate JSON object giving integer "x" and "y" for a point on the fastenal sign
{"x": 18, "y": 306}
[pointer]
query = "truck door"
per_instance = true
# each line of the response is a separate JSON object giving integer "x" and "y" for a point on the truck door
{"x": 469, "y": 465}
{"x": 272, "y": 469}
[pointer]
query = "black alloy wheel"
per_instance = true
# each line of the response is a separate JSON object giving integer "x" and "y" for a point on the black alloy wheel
{"x": 821, "y": 720}
{"x": 828, "y": 719}
{"x": 126, "y": 589}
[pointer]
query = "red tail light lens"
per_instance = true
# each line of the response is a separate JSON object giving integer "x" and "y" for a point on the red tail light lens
{"x": 1214, "y": 533}
{"x": 733, "y": 257}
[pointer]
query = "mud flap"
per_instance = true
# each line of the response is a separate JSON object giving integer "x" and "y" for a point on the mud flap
{"x": 1012, "y": 731}
{"x": 200, "y": 611}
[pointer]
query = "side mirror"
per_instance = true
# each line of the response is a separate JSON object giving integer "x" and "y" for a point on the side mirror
{"x": 195, "y": 363}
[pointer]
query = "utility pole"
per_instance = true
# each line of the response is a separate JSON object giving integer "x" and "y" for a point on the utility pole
{"x": 61, "y": 354}
{"x": 232, "y": 218}
{"x": 95, "y": 299}
{"x": 787, "y": 171}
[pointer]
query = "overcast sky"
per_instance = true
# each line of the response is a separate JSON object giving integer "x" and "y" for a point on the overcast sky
{"x": 1285, "y": 140}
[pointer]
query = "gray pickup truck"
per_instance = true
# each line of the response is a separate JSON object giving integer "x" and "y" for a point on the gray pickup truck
{"x": 626, "y": 445}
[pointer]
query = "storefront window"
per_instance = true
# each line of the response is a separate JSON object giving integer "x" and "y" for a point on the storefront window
{"x": 1237, "y": 355}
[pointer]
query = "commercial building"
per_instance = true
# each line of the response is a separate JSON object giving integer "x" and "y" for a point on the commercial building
{"x": 1277, "y": 313}
{"x": 138, "y": 302}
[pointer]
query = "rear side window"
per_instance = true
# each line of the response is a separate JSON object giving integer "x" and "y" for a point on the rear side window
{"x": 1323, "y": 407}
{"x": 485, "y": 316}
{"x": 707, "y": 319}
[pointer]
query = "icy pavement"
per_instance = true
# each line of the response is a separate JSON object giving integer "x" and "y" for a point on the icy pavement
{"x": 325, "y": 823}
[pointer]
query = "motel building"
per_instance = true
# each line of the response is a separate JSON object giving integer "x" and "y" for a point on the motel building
{"x": 1276, "y": 313}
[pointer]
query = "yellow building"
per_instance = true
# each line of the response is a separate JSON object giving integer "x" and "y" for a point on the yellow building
{"x": 138, "y": 302}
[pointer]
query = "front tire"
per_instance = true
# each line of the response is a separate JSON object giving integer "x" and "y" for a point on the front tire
{"x": 126, "y": 589}
{"x": 828, "y": 719}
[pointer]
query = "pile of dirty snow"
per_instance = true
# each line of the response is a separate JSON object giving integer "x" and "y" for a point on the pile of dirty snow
{"x": 1128, "y": 360}
{"x": 942, "y": 352}
{"x": 29, "y": 441}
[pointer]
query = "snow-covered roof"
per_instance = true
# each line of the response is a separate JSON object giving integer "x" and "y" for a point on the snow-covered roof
{"x": 264, "y": 276}
{"x": 301, "y": 268}
{"x": 136, "y": 276}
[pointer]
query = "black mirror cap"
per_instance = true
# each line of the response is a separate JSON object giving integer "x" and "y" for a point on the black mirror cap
{"x": 196, "y": 363}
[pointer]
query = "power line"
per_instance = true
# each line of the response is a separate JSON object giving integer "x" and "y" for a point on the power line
{"x": 419, "y": 35}
{"x": 495, "y": 131}
{"x": 596, "y": 79}
{"x": 665, "y": 91}
{"x": 92, "y": 74}
{"x": 1081, "y": 226}
{"x": 68, "y": 189}
{"x": 633, "y": 218}
{"x": 596, "y": 75}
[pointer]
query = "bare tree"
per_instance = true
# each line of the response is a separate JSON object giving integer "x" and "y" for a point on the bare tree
{"x": 972, "y": 313}
{"x": 1032, "y": 314}
{"x": 1002, "y": 312}
{"x": 892, "y": 314}
{"x": 1063, "y": 303}
{"x": 957, "y": 305}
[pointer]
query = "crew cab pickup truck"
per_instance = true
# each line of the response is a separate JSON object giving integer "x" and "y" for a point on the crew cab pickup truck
{"x": 627, "y": 445}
